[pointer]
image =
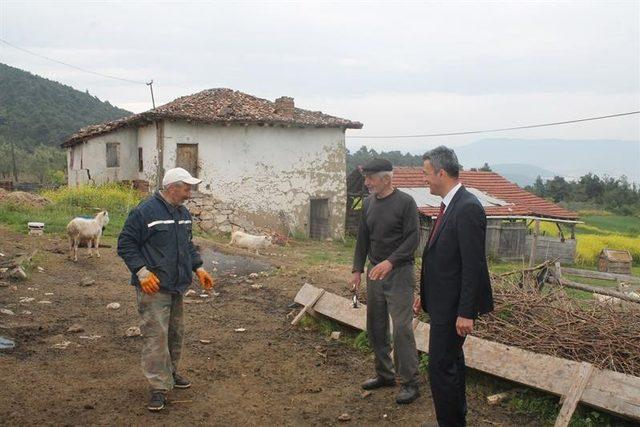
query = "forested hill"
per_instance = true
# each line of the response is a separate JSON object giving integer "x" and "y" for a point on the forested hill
{"x": 37, "y": 111}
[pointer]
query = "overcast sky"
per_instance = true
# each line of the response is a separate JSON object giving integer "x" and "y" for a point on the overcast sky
{"x": 398, "y": 67}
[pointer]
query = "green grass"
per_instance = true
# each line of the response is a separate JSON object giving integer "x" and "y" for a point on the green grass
{"x": 336, "y": 252}
{"x": 68, "y": 203}
{"x": 627, "y": 225}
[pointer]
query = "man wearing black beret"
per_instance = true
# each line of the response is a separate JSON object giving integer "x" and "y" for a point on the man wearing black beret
{"x": 388, "y": 237}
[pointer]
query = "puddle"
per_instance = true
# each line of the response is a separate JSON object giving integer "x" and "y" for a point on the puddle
{"x": 228, "y": 265}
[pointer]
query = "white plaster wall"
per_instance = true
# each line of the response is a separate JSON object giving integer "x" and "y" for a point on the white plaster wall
{"x": 268, "y": 171}
{"x": 90, "y": 159}
{"x": 147, "y": 140}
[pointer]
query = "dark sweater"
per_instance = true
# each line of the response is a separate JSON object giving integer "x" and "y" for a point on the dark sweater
{"x": 388, "y": 231}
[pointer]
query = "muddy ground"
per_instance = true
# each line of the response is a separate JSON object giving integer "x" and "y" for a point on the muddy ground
{"x": 271, "y": 374}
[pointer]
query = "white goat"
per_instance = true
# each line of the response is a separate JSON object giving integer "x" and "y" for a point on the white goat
{"x": 249, "y": 241}
{"x": 86, "y": 230}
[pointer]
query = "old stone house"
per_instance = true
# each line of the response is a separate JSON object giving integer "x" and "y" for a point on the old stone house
{"x": 263, "y": 164}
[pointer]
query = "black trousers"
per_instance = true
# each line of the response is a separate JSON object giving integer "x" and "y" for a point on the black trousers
{"x": 447, "y": 375}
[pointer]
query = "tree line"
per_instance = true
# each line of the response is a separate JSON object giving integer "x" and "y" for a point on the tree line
{"x": 590, "y": 191}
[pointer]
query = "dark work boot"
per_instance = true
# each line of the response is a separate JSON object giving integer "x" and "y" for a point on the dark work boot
{"x": 408, "y": 393}
{"x": 157, "y": 400}
{"x": 180, "y": 382}
{"x": 377, "y": 382}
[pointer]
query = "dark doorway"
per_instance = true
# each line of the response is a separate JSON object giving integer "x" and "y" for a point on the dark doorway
{"x": 319, "y": 219}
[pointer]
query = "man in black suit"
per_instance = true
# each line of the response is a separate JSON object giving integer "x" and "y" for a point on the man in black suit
{"x": 454, "y": 286}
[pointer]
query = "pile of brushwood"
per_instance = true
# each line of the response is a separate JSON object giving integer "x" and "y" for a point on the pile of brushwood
{"x": 547, "y": 320}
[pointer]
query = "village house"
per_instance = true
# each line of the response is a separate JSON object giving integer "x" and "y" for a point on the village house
{"x": 263, "y": 164}
{"x": 513, "y": 214}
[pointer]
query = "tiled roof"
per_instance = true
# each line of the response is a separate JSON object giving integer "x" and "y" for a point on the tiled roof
{"x": 521, "y": 202}
{"x": 220, "y": 106}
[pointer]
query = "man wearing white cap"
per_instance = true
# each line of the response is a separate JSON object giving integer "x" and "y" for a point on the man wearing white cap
{"x": 155, "y": 244}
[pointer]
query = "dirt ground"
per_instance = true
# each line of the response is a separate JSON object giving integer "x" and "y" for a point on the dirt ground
{"x": 271, "y": 374}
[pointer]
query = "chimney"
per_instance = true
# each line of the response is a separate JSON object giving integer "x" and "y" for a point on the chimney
{"x": 285, "y": 106}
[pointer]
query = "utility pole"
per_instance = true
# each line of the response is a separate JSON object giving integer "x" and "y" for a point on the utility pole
{"x": 153, "y": 101}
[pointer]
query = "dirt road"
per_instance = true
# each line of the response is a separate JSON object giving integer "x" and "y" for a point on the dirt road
{"x": 270, "y": 374}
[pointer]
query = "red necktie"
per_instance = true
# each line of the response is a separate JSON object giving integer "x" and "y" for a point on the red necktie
{"x": 438, "y": 221}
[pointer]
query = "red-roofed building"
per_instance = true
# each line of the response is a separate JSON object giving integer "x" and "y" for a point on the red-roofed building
{"x": 264, "y": 164}
{"x": 508, "y": 198}
{"x": 510, "y": 211}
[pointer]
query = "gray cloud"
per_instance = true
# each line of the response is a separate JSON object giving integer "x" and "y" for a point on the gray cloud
{"x": 400, "y": 67}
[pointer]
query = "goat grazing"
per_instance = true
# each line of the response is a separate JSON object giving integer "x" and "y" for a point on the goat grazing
{"x": 86, "y": 230}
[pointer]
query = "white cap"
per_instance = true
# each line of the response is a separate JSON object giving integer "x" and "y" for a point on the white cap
{"x": 179, "y": 175}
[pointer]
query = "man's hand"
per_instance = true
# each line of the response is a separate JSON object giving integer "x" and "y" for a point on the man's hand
{"x": 464, "y": 326}
{"x": 355, "y": 281}
{"x": 381, "y": 270}
{"x": 206, "y": 281}
{"x": 149, "y": 282}
{"x": 417, "y": 305}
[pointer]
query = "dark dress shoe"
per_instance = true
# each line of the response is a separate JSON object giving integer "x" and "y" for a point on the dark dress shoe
{"x": 377, "y": 382}
{"x": 407, "y": 394}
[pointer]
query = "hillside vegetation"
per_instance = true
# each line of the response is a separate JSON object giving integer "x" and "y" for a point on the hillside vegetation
{"x": 37, "y": 115}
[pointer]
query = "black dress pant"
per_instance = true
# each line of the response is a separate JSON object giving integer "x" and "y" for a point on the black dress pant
{"x": 447, "y": 375}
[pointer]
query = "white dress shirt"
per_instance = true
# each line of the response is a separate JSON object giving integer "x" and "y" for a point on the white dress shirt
{"x": 447, "y": 199}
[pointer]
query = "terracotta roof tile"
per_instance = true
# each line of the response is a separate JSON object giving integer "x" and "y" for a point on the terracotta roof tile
{"x": 521, "y": 202}
{"x": 220, "y": 106}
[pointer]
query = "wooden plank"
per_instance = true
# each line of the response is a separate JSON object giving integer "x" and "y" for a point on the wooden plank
{"x": 601, "y": 275}
{"x": 534, "y": 243}
{"x": 596, "y": 290}
{"x": 607, "y": 390}
{"x": 307, "y": 307}
{"x": 573, "y": 395}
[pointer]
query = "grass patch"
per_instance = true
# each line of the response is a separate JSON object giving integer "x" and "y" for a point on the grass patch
{"x": 325, "y": 326}
{"x": 68, "y": 203}
{"x": 627, "y": 225}
{"x": 322, "y": 253}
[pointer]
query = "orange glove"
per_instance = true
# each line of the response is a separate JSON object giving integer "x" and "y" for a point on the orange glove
{"x": 149, "y": 282}
{"x": 206, "y": 281}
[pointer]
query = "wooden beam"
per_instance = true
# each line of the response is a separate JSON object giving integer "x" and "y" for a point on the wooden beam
{"x": 596, "y": 290}
{"x": 573, "y": 395}
{"x": 601, "y": 275}
{"x": 562, "y": 239}
{"x": 607, "y": 390}
{"x": 159, "y": 153}
{"x": 534, "y": 243}
{"x": 307, "y": 307}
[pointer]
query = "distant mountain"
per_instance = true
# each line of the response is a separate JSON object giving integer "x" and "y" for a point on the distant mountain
{"x": 522, "y": 174}
{"x": 37, "y": 111}
{"x": 569, "y": 158}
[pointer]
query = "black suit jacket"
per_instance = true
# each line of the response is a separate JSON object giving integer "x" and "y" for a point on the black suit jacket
{"x": 455, "y": 277}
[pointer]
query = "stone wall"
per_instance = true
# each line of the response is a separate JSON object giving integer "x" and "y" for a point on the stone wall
{"x": 212, "y": 215}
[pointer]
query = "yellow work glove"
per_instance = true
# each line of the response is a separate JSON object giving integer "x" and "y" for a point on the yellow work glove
{"x": 149, "y": 282}
{"x": 206, "y": 281}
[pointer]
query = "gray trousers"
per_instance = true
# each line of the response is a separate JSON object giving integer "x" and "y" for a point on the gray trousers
{"x": 162, "y": 334}
{"x": 393, "y": 296}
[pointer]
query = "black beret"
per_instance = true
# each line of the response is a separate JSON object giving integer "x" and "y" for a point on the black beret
{"x": 377, "y": 165}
